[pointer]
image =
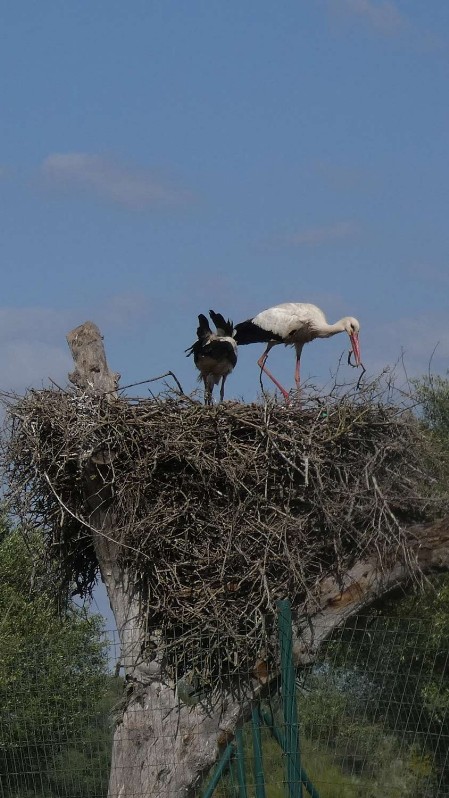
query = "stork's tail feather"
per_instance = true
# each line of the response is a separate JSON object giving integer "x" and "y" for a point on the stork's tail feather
{"x": 225, "y": 328}
{"x": 203, "y": 332}
{"x": 203, "y": 327}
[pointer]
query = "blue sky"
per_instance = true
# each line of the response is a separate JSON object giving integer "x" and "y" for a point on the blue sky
{"x": 161, "y": 158}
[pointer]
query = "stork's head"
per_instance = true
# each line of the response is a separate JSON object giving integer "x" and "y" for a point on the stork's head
{"x": 352, "y": 327}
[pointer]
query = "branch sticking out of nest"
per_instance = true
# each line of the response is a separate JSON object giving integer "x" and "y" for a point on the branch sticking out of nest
{"x": 219, "y": 511}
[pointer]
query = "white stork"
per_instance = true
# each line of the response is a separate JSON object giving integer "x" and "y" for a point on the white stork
{"x": 214, "y": 354}
{"x": 293, "y": 323}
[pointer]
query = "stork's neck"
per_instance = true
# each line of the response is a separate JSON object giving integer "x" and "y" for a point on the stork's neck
{"x": 327, "y": 330}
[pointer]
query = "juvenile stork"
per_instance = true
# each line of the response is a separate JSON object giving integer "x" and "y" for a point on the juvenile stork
{"x": 214, "y": 354}
{"x": 295, "y": 324}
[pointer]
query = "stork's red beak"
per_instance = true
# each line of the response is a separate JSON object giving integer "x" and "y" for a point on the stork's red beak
{"x": 356, "y": 348}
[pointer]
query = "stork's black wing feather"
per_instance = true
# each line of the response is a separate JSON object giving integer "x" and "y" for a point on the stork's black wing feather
{"x": 219, "y": 350}
{"x": 203, "y": 332}
{"x": 223, "y": 327}
{"x": 246, "y": 332}
{"x": 216, "y": 349}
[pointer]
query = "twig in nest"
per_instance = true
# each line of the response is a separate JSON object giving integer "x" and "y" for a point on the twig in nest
{"x": 355, "y": 366}
{"x": 169, "y": 374}
{"x": 151, "y": 379}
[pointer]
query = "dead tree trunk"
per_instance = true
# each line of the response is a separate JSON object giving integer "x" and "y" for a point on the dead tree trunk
{"x": 162, "y": 747}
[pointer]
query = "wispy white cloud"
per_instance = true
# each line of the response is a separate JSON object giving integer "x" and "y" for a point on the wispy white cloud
{"x": 382, "y": 16}
{"x": 314, "y": 236}
{"x": 429, "y": 272}
{"x": 342, "y": 177}
{"x": 30, "y": 363}
{"x": 124, "y": 310}
{"x": 421, "y": 336}
{"x": 33, "y": 322}
{"x": 419, "y": 342}
{"x": 34, "y": 346}
{"x": 320, "y": 235}
{"x": 386, "y": 19}
{"x": 110, "y": 180}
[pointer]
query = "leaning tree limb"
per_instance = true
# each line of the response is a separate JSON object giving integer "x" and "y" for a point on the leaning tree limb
{"x": 365, "y": 583}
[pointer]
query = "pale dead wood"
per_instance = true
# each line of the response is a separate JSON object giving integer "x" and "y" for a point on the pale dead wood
{"x": 365, "y": 583}
{"x": 92, "y": 373}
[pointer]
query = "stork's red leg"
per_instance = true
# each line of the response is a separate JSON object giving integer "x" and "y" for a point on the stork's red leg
{"x": 261, "y": 363}
{"x": 297, "y": 372}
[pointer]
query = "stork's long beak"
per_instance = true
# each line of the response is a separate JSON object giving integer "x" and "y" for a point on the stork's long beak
{"x": 356, "y": 348}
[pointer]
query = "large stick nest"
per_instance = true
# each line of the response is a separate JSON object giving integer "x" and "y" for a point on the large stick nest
{"x": 218, "y": 512}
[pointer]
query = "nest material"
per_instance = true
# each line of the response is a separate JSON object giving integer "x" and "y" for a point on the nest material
{"x": 219, "y": 511}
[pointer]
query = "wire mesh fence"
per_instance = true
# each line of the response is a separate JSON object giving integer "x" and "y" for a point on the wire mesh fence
{"x": 373, "y": 717}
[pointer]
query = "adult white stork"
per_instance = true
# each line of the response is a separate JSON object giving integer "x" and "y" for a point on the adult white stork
{"x": 214, "y": 354}
{"x": 293, "y": 323}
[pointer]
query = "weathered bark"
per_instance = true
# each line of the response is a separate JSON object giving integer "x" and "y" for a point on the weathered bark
{"x": 91, "y": 372}
{"x": 162, "y": 747}
{"x": 363, "y": 584}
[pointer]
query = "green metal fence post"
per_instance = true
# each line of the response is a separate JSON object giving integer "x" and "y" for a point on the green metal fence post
{"x": 289, "y": 707}
{"x": 256, "y": 723}
{"x": 240, "y": 763}
{"x": 301, "y": 775}
{"x": 221, "y": 767}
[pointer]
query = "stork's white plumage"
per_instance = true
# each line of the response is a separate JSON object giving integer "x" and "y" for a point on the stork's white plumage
{"x": 214, "y": 354}
{"x": 295, "y": 324}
